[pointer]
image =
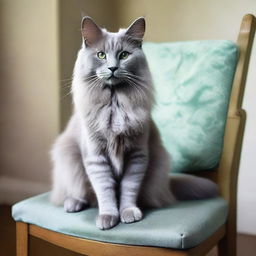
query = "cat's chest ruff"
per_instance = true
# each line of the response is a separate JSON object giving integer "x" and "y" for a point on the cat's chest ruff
{"x": 115, "y": 116}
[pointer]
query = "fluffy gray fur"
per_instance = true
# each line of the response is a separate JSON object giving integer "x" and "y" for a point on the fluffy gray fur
{"x": 110, "y": 153}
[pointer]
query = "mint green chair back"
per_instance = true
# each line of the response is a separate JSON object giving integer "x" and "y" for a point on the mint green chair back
{"x": 193, "y": 83}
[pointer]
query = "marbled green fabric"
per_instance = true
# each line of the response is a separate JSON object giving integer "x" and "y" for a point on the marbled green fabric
{"x": 181, "y": 226}
{"x": 193, "y": 82}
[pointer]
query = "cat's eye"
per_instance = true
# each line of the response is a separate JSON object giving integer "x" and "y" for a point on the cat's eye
{"x": 101, "y": 55}
{"x": 123, "y": 55}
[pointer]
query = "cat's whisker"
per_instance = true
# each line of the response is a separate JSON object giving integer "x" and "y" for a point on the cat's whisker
{"x": 94, "y": 83}
{"x": 69, "y": 93}
{"x": 139, "y": 82}
{"x": 92, "y": 80}
{"x": 132, "y": 75}
{"x": 104, "y": 76}
{"x": 89, "y": 77}
{"x": 67, "y": 85}
{"x": 67, "y": 79}
{"x": 139, "y": 90}
{"x": 103, "y": 73}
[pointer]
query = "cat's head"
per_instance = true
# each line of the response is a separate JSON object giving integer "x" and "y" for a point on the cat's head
{"x": 113, "y": 58}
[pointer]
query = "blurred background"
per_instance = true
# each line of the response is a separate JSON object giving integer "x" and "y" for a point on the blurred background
{"x": 39, "y": 42}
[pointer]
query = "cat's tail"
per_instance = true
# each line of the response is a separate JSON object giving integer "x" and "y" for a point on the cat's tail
{"x": 189, "y": 187}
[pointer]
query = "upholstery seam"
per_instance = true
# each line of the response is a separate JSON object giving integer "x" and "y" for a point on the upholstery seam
{"x": 182, "y": 240}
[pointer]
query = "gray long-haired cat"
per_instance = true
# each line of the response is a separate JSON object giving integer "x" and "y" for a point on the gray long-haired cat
{"x": 110, "y": 153}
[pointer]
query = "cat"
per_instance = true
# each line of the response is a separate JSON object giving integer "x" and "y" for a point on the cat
{"x": 110, "y": 155}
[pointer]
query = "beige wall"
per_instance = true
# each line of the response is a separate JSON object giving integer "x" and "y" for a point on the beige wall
{"x": 176, "y": 20}
{"x": 29, "y": 87}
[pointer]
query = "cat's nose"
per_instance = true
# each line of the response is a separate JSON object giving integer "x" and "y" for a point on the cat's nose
{"x": 113, "y": 69}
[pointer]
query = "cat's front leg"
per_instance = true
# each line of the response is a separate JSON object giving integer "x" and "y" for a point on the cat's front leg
{"x": 103, "y": 183}
{"x": 130, "y": 186}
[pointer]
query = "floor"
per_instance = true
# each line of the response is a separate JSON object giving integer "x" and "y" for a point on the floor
{"x": 37, "y": 247}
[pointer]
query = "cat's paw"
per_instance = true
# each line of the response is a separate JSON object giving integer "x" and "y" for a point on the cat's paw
{"x": 106, "y": 221}
{"x": 131, "y": 214}
{"x": 74, "y": 205}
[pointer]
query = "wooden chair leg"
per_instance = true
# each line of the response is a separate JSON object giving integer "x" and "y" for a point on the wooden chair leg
{"x": 227, "y": 245}
{"x": 22, "y": 239}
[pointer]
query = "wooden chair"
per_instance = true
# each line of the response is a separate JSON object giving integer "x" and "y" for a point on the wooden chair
{"x": 225, "y": 175}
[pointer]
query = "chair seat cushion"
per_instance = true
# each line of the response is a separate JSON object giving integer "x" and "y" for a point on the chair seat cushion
{"x": 193, "y": 81}
{"x": 181, "y": 226}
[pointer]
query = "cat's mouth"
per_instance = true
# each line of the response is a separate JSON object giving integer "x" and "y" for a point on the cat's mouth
{"x": 112, "y": 76}
{"x": 112, "y": 80}
{"x": 114, "y": 83}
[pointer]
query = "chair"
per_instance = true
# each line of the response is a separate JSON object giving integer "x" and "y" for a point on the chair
{"x": 225, "y": 174}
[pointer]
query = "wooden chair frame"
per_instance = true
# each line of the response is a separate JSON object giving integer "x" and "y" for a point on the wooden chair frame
{"x": 225, "y": 175}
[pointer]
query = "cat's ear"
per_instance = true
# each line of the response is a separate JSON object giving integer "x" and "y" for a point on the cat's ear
{"x": 91, "y": 32}
{"x": 137, "y": 29}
